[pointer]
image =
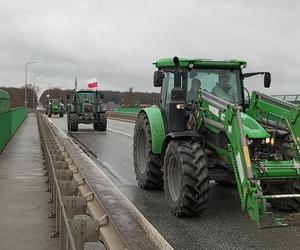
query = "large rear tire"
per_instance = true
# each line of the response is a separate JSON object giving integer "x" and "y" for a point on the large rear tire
{"x": 147, "y": 165}
{"x": 102, "y": 122}
{"x": 186, "y": 180}
{"x": 73, "y": 119}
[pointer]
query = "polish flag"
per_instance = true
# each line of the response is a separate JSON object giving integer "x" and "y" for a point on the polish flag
{"x": 92, "y": 83}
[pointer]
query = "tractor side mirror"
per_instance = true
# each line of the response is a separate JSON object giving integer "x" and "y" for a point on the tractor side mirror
{"x": 267, "y": 80}
{"x": 158, "y": 78}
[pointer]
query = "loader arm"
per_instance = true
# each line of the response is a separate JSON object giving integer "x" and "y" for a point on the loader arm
{"x": 273, "y": 111}
{"x": 219, "y": 116}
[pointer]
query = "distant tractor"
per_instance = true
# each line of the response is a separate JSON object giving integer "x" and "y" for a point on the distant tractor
{"x": 85, "y": 106}
{"x": 55, "y": 107}
{"x": 209, "y": 127}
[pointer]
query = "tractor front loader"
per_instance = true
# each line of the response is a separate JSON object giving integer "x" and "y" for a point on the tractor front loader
{"x": 206, "y": 129}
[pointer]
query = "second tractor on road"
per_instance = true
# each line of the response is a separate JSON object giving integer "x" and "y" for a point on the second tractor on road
{"x": 55, "y": 107}
{"x": 85, "y": 106}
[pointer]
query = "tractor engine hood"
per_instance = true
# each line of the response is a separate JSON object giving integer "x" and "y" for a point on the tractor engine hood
{"x": 252, "y": 128}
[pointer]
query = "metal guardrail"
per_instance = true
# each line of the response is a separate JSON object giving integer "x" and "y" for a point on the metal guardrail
{"x": 127, "y": 117}
{"x": 69, "y": 195}
{"x": 80, "y": 213}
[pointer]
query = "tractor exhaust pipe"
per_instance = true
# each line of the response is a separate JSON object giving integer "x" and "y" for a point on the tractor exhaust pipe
{"x": 75, "y": 83}
{"x": 176, "y": 117}
{"x": 177, "y": 74}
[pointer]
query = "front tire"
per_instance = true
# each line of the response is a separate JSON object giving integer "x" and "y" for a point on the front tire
{"x": 73, "y": 119}
{"x": 147, "y": 165}
{"x": 186, "y": 180}
{"x": 102, "y": 122}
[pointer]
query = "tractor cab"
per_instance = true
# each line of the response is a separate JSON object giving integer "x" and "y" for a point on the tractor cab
{"x": 181, "y": 79}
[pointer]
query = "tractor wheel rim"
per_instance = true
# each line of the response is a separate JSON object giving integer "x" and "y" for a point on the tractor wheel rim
{"x": 142, "y": 151}
{"x": 174, "y": 179}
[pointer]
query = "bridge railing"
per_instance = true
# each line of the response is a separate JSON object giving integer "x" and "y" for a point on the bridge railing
{"x": 10, "y": 121}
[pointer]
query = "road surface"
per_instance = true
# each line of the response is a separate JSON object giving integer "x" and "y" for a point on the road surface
{"x": 222, "y": 226}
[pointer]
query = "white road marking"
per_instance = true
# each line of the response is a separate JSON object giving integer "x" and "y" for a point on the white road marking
{"x": 87, "y": 132}
{"x": 119, "y": 132}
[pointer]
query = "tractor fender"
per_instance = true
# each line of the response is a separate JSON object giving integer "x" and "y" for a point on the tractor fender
{"x": 157, "y": 127}
{"x": 180, "y": 134}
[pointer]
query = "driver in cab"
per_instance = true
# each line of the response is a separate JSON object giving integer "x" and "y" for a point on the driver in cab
{"x": 193, "y": 93}
{"x": 223, "y": 89}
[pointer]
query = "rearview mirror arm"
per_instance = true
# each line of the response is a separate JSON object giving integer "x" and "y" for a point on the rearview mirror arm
{"x": 245, "y": 75}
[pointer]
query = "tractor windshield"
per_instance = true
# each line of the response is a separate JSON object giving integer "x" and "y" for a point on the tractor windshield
{"x": 86, "y": 97}
{"x": 223, "y": 83}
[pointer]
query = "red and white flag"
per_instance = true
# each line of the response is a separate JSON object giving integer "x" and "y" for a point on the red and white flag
{"x": 92, "y": 83}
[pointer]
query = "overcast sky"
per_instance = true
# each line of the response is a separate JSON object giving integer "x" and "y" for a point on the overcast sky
{"x": 117, "y": 41}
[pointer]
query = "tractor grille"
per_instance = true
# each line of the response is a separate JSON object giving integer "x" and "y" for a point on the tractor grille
{"x": 88, "y": 108}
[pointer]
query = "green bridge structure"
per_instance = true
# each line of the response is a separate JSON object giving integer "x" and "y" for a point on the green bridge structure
{"x": 10, "y": 119}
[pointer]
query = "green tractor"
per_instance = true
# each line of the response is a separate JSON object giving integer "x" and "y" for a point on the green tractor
{"x": 84, "y": 106}
{"x": 55, "y": 107}
{"x": 208, "y": 127}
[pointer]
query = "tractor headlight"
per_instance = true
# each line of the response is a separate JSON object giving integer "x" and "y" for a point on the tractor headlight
{"x": 249, "y": 142}
{"x": 269, "y": 140}
{"x": 179, "y": 106}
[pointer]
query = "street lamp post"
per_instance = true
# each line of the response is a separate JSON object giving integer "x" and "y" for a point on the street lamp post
{"x": 33, "y": 91}
{"x": 49, "y": 89}
{"x": 25, "y": 91}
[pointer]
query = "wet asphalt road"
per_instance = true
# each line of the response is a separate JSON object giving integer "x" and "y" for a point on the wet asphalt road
{"x": 222, "y": 226}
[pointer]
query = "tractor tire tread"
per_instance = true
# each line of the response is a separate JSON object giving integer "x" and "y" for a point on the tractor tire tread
{"x": 102, "y": 122}
{"x": 195, "y": 182}
{"x": 73, "y": 122}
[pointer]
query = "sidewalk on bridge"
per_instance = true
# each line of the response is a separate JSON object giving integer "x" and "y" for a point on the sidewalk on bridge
{"x": 24, "y": 222}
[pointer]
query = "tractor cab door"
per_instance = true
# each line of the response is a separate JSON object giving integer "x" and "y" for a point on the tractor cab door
{"x": 168, "y": 85}
{"x": 174, "y": 118}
